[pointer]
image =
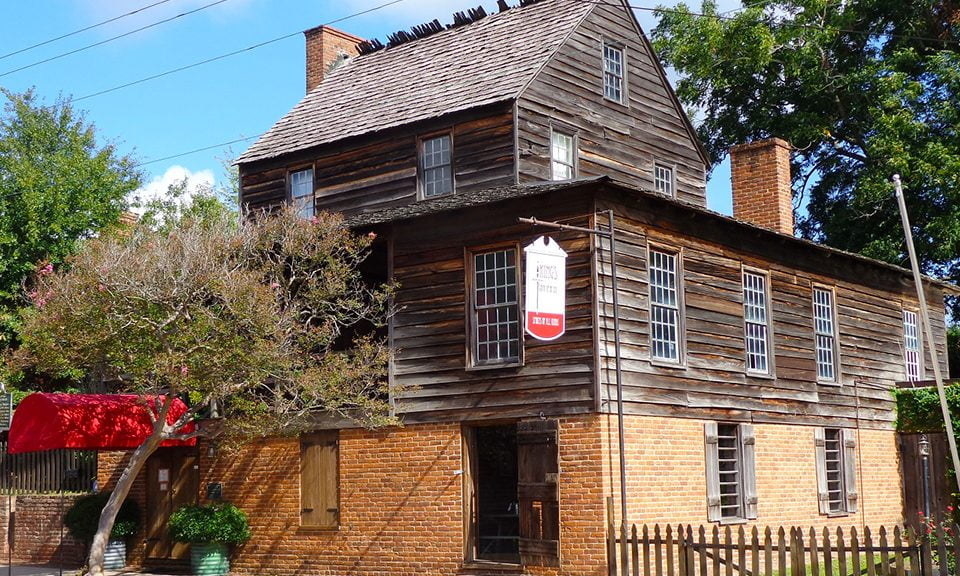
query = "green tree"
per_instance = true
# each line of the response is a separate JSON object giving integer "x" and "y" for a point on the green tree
{"x": 863, "y": 89}
{"x": 57, "y": 186}
{"x": 267, "y": 322}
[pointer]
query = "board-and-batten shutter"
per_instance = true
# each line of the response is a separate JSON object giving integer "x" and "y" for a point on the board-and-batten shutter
{"x": 538, "y": 492}
{"x": 849, "y": 437}
{"x": 711, "y": 444}
{"x": 318, "y": 480}
{"x": 820, "y": 454}
{"x": 748, "y": 443}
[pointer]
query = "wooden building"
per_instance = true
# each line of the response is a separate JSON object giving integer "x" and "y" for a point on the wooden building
{"x": 756, "y": 367}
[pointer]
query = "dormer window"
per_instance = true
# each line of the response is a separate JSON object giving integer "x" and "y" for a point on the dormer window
{"x": 562, "y": 156}
{"x": 301, "y": 192}
{"x": 436, "y": 166}
{"x": 613, "y": 72}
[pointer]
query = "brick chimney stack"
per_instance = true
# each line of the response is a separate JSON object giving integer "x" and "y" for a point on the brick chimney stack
{"x": 324, "y": 45}
{"x": 760, "y": 174}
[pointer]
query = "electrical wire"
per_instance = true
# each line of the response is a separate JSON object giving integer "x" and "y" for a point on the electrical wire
{"x": 75, "y": 32}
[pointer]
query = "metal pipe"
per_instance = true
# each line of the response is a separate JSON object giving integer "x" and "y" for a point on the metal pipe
{"x": 924, "y": 445}
{"x": 927, "y": 330}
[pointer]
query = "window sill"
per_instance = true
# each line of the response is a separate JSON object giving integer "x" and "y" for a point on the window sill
{"x": 732, "y": 521}
{"x": 474, "y": 566}
{"x": 762, "y": 375}
{"x": 480, "y": 367}
{"x": 318, "y": 529}
{"x": 831, "y": 383}
{"x": 422, "y": 198}
{"x": 668, "y": 364}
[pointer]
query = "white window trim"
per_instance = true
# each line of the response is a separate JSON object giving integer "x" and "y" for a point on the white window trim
{"x": 907, "y": 350}
{"x": 300, "y": 202}
{"x": 680, "y": 361}
{"x": 768, "y": 324}
{"x": 671, "y": 170}
{"x": 472, "y": 363}
{"x": 837, "y": 379}
{"x": 421, "y": 170}
{"x": 622, "y": 49}
{"x": 574, "y": 156}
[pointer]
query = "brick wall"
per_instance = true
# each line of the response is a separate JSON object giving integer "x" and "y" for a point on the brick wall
{"x": 37, "y": 531}
{"x": 760, "y": 175}
{"x": 324, "y": 45}
{"x": 109, "y": 467}
{"x": 666, "y": 474}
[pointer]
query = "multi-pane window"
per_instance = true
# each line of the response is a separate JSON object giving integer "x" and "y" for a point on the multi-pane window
{"x": 662, "y": 270}
{"x": 826, "y": 334}
{"x": 496, "y": 311}
{"x": 562, "y": 156}
{"x": 836, "y": 470}
{"x": 319, "y": 479}
{"x": 731, "y": 474}
{"x": 911, "y": 345}
{"x": 301, "y": 192}
{"x": 756, "y": 322}
{"x": 663, "y": 179}
{"x": 613, "y": 72}
{"x": 436, "y": 177}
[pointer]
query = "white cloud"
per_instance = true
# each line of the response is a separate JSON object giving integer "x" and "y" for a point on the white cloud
{"x": 160, "y": 185}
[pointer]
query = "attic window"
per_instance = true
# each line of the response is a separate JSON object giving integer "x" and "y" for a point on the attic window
{"x": 613, "y": 72}
{"x": 663, "y": 180}
{"x": 301, "y": 192}
{"x": 562, "y": 156}
{"x": 436, "y": 166}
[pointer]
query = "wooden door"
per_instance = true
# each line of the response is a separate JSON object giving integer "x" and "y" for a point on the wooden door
{"x": 173, "y": 477}
{"x": 538, "y": 492}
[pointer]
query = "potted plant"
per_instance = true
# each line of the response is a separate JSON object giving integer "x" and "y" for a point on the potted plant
{"x": 82, "y": 519}
{"x": 209, "y": 530}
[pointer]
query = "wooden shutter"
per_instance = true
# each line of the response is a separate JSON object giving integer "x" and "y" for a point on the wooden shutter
{"x": 820, "y": 454}
{"x": 713, "y": 471}
{"x": 748, "y": 461}
{"x": 849, "y": 437}
{"x": 319, "y": 498}
{"x": 538, "y": 492}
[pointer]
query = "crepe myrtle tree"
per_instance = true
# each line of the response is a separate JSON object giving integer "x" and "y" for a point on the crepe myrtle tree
{"x": 269, "y": 320}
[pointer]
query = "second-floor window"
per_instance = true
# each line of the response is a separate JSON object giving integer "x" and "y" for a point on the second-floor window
{"x": 756, "y": 322}
{"x": 562, "y": 156}
{"x": 663, "y": 180}
{"x": 301, "y": 192}
{"x": 663, "y": 273}
{"x": 613, "y": 72}
{"x": 496, "y": 310}
{"x": 911, "y": 345}
{"x": 826, "y": 335}
{"x": 436, "y": 166}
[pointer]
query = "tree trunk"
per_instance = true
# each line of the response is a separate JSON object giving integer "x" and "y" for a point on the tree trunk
{"x": 99, "y": 546}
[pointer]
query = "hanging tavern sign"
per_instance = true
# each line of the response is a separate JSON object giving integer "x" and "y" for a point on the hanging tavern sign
{"x": 545, "y": 294}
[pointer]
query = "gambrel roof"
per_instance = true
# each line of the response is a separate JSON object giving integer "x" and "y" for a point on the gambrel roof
{"x": 488, "y": 61}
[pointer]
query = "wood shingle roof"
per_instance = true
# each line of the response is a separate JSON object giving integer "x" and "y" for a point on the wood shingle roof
{"x": 488, "y": 61}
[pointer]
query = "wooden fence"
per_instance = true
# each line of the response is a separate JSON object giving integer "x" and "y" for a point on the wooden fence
{"x": 49, "y": 471}
{"x": 712, "y": 551}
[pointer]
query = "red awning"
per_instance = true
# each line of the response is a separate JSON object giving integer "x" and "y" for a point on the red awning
{"x": 88, "y": 422}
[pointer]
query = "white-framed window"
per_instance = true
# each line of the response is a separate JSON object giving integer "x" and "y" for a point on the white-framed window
{"x": 825, "y": 333}
{"x": 301, "y": 192}
{"x": 663, "y": 273}
{"x": 495, "y": 308}
{"x": 663, "y": 180}
{"x": 731, "y": 472}
{"x": 836, "y": 470}
{"x": 613, "y": 72}
{"x": 911, "y": 346}
{"x": 436, "y": 166}
{"x": 756, "y": 322}
{"x": 563, "y": 156}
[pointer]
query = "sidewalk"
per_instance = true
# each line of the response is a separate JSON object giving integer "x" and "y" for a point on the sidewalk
{"x": 67, "y": 571}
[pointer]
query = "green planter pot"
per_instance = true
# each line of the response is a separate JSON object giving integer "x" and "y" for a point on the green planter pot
{"x": 209, "y": 559}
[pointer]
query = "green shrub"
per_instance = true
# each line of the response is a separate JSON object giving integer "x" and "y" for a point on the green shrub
{"x": 82, "y": 518}
{"x": 224, "y": 523}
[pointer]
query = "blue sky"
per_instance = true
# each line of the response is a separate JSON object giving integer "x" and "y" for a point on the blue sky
{"x": 229, "y": 99}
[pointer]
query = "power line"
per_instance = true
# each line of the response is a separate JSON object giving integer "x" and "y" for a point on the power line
{"x": 75, "y": 32}
{"x": 102, "y": 42}
{"x": 194, "y": 151}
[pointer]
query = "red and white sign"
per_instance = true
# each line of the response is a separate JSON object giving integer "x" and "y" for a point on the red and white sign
{"x": 545, "y": 295}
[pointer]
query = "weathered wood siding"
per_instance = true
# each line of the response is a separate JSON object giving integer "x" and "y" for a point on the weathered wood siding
{"x": 380, "y": 171}
{"x": 713, "y": 382}
{"x": 620, "y": 141}
{"x": 429, "y": 329}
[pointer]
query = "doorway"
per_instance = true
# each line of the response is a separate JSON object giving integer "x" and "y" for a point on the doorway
{"x": 173, "y": 478}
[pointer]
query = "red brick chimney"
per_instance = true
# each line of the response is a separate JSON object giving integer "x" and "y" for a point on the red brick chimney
{"x": 760, "y": 173}
{"x": 324, "y": 45}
